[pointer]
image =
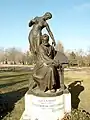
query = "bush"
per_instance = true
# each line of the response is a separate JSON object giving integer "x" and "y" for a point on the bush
{"x": 77, "y": 115}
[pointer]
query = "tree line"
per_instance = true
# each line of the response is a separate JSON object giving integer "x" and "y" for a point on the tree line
{"x": 79, "y": 58}
{"x": 16, "y": 56}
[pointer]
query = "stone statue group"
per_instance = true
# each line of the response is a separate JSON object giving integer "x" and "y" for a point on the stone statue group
{"x": 45, "y": 75}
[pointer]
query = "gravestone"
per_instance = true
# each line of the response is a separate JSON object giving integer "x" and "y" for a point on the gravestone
{"x": 47, "y": 97}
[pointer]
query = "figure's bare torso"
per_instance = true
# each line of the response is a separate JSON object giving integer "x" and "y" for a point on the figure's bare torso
{"x": 38, "y": 26}
{"x": 36, "y": 32}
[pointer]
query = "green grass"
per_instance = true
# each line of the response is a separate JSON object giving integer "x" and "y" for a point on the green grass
{"x": 13, "y": 86}
{"x": 71, "y": 76}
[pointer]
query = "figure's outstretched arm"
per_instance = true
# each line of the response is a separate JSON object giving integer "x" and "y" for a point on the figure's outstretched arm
{"x": 32, "y": 21}
{"x": 50, "y": 33}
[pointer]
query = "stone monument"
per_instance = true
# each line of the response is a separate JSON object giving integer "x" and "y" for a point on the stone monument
{"x": 47, "y": 97}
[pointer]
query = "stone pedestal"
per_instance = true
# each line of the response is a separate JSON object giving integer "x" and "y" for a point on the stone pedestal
{"x": 46, "y": 108}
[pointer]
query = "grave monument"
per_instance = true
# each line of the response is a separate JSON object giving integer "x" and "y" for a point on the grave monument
{"x": 47, "y": 97}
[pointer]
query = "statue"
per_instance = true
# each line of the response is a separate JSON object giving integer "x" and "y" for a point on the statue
{"x": 46, "y": 74}
{"x": 46, "y": 97}
{"x": 38, "y": 24}
{"x": 49, "y": 62}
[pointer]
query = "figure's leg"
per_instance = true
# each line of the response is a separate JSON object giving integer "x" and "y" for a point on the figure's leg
{"x": 51, "y": 81}
{"x": 39, "y": 41}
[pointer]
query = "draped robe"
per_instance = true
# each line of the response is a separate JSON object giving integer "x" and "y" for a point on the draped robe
{"x": 46, "y": 74}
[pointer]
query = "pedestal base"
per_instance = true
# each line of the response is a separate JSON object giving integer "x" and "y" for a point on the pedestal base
{"x": 46, "y": 108}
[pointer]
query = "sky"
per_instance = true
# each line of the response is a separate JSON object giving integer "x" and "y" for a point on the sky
{"x": 70, "y": 22}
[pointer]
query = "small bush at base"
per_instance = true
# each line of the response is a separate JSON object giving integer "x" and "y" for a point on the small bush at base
{"x": 77, "y": 115}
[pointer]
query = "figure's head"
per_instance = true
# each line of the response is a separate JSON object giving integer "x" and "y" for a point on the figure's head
{"x": 45, "y": 39}
{"x": 47, "y": 15}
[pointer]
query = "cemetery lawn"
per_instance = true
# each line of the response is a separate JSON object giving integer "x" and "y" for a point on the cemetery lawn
{"x": 78, "y": 75}
{"x": 14, "y": 85}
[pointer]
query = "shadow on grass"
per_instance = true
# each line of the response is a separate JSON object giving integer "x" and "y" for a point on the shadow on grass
{"x": 8, "y": 100}
{"x": 75, "y": 89}
{"x": 9, "y": 84}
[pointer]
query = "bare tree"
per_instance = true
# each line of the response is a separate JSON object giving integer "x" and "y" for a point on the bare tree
{"x": 2, "y": 58}
{"x": 59, "y": 47}
{"x": 13, "y": 55}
